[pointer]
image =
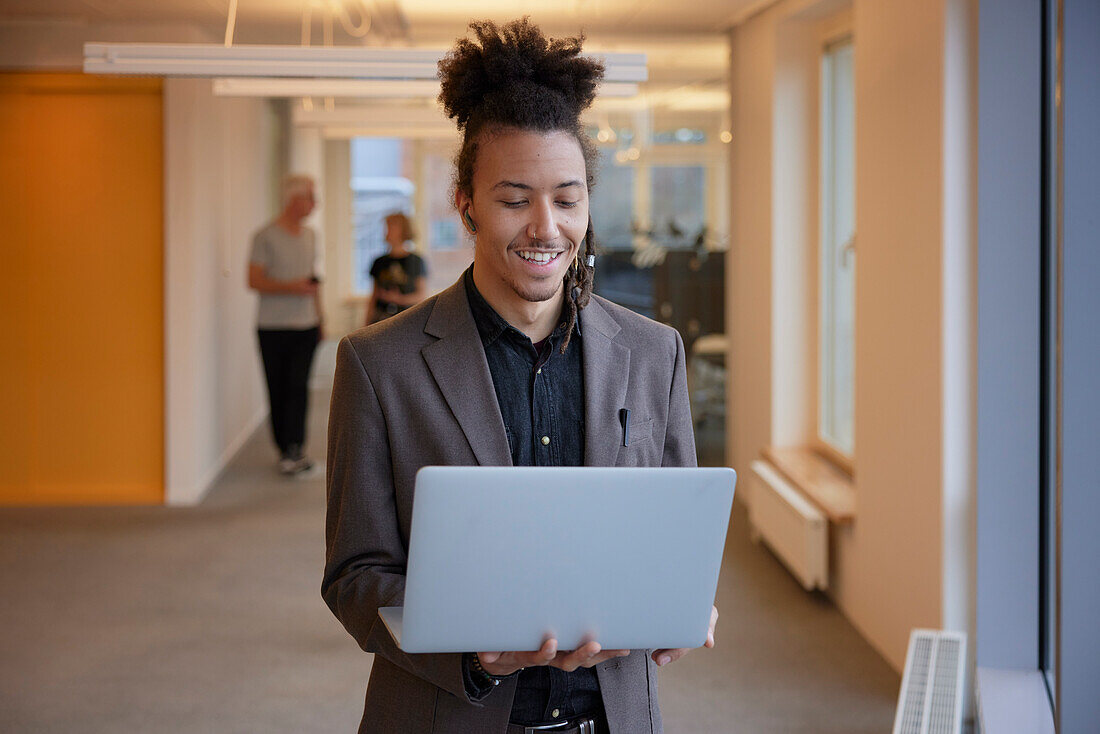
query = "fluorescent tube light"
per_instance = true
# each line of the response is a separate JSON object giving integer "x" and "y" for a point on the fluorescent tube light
{"x": 373, "y": 115}
{"x": 294, "y": 87}
{"x": 410, "y": 132}
{"x": 375, "y": 88}
{"x": 344, "y": 62}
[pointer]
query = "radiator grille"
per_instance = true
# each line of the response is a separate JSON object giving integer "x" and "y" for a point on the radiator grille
{"x": 930, "y": 701}
{"x": 793, "y": 528}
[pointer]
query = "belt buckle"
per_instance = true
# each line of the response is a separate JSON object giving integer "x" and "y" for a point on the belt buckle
{"x": 587, "y": 725}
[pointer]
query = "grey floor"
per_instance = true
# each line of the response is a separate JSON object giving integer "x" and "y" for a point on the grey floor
{"x": 209, "y": 619}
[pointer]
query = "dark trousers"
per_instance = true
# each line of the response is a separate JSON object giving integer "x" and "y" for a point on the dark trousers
{"x": 287, "y": 355}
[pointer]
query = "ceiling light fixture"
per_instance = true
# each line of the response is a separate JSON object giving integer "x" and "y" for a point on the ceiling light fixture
{"x": 334, "y": 62}
{"x": 374, "y": 88}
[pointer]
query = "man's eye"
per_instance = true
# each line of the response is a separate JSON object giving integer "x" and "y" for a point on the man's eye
{"x": 568, "y": 204}
{"x": 513, "y": 204}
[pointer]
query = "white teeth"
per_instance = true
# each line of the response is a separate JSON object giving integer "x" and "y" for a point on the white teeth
{"x": 538, "y": 257}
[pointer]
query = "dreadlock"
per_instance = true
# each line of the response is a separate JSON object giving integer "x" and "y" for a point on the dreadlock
{"x": 513, "y": 76}
{"x": 579, "y": 280}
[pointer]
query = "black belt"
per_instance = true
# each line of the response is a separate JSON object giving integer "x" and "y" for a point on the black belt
{"x": 580, "y": 725}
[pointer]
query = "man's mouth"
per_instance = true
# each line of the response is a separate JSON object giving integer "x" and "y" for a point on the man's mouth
{"x": 539, "y": 257}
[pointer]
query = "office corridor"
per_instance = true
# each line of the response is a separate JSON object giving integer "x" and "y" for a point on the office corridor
{"x": 209, "y": 619}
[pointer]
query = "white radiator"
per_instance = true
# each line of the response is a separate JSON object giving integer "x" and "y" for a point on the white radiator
{"x": 789, "y": 524}
{"x": 931, "y": 697}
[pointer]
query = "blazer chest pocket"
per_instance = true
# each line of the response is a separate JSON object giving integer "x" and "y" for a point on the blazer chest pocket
{"x": 640, "y": 432}
{"x": 642, "y": 449}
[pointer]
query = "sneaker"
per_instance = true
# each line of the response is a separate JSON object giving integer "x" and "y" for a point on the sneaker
{"x": 302, "y": 464}
{"x": 287, "y": 465}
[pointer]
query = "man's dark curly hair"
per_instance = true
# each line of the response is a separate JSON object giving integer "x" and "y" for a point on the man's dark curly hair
{"x": 512, "y": 76}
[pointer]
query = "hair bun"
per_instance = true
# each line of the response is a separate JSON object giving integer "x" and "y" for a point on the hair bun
{"x": 513, "y": 74}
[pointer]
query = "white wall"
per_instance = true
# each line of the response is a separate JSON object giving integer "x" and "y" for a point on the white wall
{"x": 342, "y": 314}
{"x": 904, "y": 561}
{"x": 748, "y": 274}
{"x": 221, "y": 159}
{"x": 794, "y": 226}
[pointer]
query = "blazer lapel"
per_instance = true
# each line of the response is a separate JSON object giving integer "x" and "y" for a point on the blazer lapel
{"x": 606, "y": 367}
{"x": 458, "y": 365}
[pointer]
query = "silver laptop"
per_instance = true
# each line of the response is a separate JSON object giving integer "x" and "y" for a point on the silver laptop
{"x": 501, "y": 558}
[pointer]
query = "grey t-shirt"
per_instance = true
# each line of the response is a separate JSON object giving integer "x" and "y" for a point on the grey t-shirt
{"x": 285, "y": 256}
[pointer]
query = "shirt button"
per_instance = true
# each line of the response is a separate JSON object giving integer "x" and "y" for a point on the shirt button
{"x": 546, "y": 442}
{"x": 555, "y": 713}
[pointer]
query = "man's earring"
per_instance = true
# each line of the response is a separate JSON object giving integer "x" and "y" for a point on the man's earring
{"x": 469, "y": 222}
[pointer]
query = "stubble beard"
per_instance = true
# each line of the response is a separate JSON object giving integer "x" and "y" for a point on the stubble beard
{"x": 538, "y": 292}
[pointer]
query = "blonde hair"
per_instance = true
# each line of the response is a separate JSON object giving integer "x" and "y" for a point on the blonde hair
{"x": 407, "y": 231}
{"x": 296, "y": 184}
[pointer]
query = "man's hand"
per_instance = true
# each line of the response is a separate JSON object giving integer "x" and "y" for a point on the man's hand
{"x": 586, "y": 656}
{"x": 303, "y": 287}
{"x": 664, "y": 657}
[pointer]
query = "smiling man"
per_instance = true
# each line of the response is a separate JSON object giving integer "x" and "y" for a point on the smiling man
{"x": 518, "y": 363}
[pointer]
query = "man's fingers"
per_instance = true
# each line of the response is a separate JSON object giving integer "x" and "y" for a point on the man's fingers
{"x": 571, "y": 660}
{"x": 549, "y": 649}
{"x": 713, "y": 623}
{"x": 542, "y": 656}
{"x": 522, "y": 659}
{"x": 587, "y": 656}
{"x": 664, "y": 657}
{"x": 582, "y": 655}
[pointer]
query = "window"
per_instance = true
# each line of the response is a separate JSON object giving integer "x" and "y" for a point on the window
{"x": 837, "y": 257}
{"x": 680, "y": 136}
{"x": 659, "y": 201}
{"x": 1050, "y": 373}
{"x": 612, "y": 203}
{"x": 678, "y": 197}
{"x": 378, "y": 189}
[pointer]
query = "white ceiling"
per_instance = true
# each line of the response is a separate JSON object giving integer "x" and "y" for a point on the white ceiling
{"x": 686, "y": 44}
{"x": 412, "y": 21}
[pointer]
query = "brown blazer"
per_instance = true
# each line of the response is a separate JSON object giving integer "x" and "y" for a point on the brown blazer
{"x": 415, "y": 390}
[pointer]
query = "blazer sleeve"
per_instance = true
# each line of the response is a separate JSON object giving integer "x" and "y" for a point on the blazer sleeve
{"x": 679, "y": 430}
{"x": 365, "y": 557}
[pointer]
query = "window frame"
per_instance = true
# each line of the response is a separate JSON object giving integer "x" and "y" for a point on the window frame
{"x": 834, "y": 35}
{"x": 1038, "y": 410}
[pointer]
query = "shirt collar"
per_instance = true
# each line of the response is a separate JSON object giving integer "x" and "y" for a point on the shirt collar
{"x": 490, "y": 324}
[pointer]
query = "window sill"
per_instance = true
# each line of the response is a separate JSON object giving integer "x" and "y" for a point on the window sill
{"x": 1013, "y": 702}
{"x": 827, "y": 487}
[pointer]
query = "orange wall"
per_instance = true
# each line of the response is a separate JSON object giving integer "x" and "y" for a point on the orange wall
{"x": 81, "y": 302}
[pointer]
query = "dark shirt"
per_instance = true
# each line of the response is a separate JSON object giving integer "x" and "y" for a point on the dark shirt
{"x": 541, "y": 394}
{"x": 396, "y": 273}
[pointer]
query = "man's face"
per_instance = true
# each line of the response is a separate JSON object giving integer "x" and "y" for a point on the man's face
{"x": 301, "y": 205}
{"x": 530, "y": 206}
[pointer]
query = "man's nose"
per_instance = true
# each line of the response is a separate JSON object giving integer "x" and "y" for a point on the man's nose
{"x": 543, "y": 225}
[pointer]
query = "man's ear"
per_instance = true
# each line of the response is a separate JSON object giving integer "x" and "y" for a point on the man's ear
{"x": 463, "y": 204}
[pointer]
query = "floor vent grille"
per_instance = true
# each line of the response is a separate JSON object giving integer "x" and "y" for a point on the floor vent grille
{"x": 930, "y": 701}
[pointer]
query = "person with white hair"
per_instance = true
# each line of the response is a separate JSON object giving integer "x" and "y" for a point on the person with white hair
{"x": 289, "y": 320}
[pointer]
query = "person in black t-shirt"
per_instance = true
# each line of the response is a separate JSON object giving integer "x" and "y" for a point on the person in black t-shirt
{"x": 400, "y": 276}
